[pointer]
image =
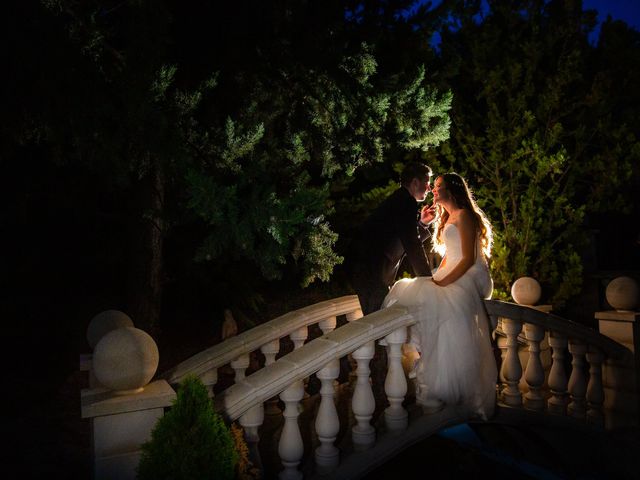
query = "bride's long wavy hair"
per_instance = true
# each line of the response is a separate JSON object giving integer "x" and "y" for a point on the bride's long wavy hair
{"x": 463, "y": 198}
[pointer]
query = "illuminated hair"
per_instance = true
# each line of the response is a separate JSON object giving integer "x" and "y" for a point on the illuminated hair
{"x": 462, "y": 196}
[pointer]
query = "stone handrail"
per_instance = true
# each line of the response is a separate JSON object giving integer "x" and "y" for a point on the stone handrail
{"x": 245, "y": 400}
{"x": 299, "y": 364}
{"x": 308, "y": 359}
{"x": 555, "y": 323}
{"x": 206, "y": 363}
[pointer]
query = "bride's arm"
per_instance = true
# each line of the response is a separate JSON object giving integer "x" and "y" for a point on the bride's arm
{"x": 467, "y": 230}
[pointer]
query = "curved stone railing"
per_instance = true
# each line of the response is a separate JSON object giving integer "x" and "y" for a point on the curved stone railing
{"x": 535, "y": 375}
{"x": 244, "y": 400}
{"x": 313, "y": 356}
{"x": 265, "y": 337}
{"x": 579, "y": 395}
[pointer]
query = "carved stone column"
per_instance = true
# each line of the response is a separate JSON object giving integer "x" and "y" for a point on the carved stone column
{"x": 511, "y": 369}
{"x": 395, "y": 385}
{"x": 291, "y": 447}
{"x": 363, "y": 401}
{"x": 557, "y": 376}
{"x": 595, "y": 391}
{"x": 578, "y": 380}
{"x": 534, "y": 373}
{"x": 240, "y": 366}
{"x": 327, "y": 421}
{"x": 270, "y": 350}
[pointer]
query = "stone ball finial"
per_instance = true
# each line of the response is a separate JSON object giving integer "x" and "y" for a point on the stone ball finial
{"x": 622, "y": 293}
{"x": 125, "y": 360}
{"x": 104, "y": 322}
{"x": 526, "y": 291}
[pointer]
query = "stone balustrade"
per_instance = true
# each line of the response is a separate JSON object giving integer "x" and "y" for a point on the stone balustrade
{"x": 576, "y": 380}
{"x": 266, "y": 339}
{"x": 573, "y": 387}
{"x": 577, "y": 391}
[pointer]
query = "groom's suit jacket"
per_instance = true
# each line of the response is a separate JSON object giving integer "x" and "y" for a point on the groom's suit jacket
{"x": 389, "y": 233}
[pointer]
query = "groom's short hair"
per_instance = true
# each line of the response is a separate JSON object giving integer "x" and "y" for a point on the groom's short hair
{"x": 415, "y": 170}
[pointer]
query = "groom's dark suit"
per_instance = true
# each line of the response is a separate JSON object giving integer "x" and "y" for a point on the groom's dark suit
{"x": 391, "y": 232}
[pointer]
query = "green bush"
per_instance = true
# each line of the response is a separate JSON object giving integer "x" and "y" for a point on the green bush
{"x": 191, "y": 441}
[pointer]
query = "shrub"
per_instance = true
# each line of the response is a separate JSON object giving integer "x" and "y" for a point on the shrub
{"x": 191, "y": 441}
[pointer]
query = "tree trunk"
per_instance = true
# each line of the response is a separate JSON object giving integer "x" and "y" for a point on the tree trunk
{"x": 145, "y": 275}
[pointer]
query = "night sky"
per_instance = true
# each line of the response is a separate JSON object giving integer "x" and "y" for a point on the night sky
{"x": 627, "y": 10}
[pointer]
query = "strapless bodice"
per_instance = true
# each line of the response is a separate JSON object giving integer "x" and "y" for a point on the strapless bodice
{"x": 453, "y": 245}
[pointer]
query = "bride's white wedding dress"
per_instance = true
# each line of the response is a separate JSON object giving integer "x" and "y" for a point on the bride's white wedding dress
{"x": 456, "y": 364}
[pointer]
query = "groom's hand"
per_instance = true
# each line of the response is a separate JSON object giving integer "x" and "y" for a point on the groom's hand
{"x": 427, "y": 214}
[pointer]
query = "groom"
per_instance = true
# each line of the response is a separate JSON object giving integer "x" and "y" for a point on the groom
{"x": 393, "y": 230}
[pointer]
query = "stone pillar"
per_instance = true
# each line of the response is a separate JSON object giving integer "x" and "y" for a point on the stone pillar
{"x": 621, "y": 378}
{"x": 511, "y": 369}
{"x": 534, "y": 371}
{"x": 363, "y": 402}
{"x": 327, "y": 421}
{"x": 557, "y": 403}
{"x": 125, "y": 407}
{"x": 395, "y": 385}
{"x": 544, "y": 350}
{"x": 290, "y": 447}
{"x": 120, "y": 424}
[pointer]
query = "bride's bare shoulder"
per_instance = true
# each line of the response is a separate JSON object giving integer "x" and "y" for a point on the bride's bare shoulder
{"x": 462, "y": 218}
{"x": 465, "y": 214}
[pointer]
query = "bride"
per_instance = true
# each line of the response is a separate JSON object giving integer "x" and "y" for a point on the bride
{"x": 456, "y": 364}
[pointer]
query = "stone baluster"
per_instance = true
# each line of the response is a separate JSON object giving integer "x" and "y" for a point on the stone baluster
{"x": 501, "y": 343}
{"x": 534, "y": 373}
{"x": 557, "y": 376}
{"x": 270, "y": 350}
{"x": 251, "y": 421}
{"x": 291, "y": 447}
{"x": 363, "y": 402}
{"x": 352, "y": 317}
{"x": 595, "y": 390}
{"x": 299, "y": 336}
{"x": 240, "y": 366}
{"x": 210, "y": 378}
{"x": 327, "y": 421}
{"x": 578, "y": 380}
{"x": 355, "y": 315}
{"x": 328, "y": 324}
{"x": 511, "y": 368}
{"x": 395, "y": 384}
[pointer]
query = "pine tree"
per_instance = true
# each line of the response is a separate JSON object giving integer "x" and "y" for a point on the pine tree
{"x": 218, "y": 132}
{"x": 527, "y": 106}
